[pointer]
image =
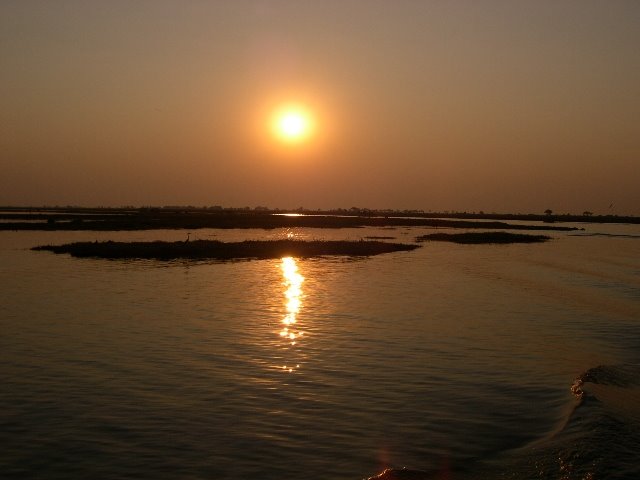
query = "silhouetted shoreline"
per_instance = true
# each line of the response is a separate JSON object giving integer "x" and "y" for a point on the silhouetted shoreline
{"x": 213, "y": 249}
{"x": 191, "y": 219}
{"x": 483, "y": 237}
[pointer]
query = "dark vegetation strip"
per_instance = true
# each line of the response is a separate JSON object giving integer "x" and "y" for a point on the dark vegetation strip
{"x": 213, "y": 249}
{"x": 17, "y": 213}
{"x": 159, "y": 219}
{"x": 483, "y": 237}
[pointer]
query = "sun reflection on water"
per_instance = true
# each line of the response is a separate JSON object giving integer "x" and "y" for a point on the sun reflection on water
{"x": 293, "y": 302}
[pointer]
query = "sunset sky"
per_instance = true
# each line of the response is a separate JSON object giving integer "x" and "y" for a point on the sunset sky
{"x": 506, "y": 106}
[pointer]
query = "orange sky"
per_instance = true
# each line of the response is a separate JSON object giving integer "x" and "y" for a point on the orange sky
{"x": 506, "y": 106}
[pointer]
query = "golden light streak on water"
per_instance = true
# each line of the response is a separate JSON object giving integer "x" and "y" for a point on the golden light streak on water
{"x": 293, "y": 301}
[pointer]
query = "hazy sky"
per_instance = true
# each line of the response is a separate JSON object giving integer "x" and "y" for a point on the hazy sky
{"x": 507, "y": 106}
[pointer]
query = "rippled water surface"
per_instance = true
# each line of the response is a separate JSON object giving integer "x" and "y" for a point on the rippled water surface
{"x": 457, "y": 360}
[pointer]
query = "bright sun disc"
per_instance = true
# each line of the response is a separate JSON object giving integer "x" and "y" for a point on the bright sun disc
{"x": 292, "y": 124}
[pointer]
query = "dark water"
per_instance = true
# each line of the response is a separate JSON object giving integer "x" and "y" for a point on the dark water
{"x": 456, "y": 360}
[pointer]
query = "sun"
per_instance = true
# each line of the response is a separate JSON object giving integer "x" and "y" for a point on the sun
{"x": 292, "y": 124}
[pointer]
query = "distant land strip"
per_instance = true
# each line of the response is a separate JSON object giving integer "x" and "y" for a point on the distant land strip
{"x": 483, "y": 237}
{"x": 152, "y": 219}
{"x": 214, "y": 249}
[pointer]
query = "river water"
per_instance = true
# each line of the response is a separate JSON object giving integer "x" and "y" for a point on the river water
{"x": 457, "y": 360}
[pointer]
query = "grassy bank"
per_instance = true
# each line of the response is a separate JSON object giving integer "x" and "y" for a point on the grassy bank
{"x": 213, "y": 249}
{"x": 483, "y": 237}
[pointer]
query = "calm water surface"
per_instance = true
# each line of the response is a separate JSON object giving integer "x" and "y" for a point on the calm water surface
{"x": 453, "y": 359}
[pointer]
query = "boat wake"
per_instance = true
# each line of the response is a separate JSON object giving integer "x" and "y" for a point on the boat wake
{"x": 599, "y": 438}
